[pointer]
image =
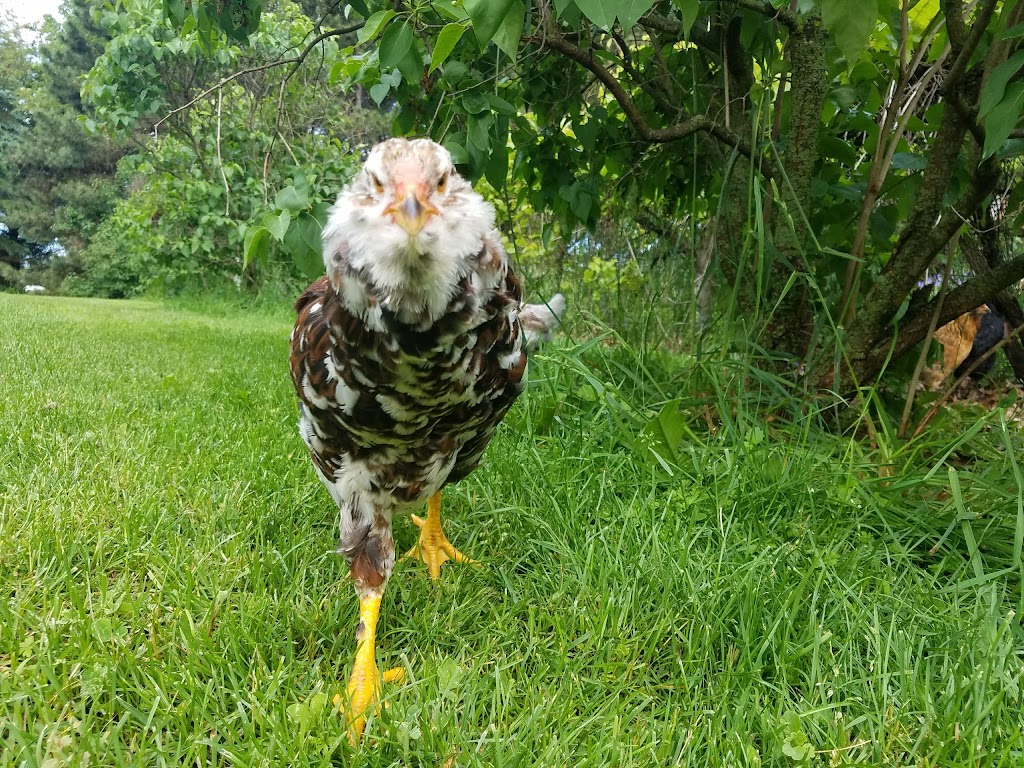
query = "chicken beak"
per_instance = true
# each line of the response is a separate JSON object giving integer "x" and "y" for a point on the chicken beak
{"x": 411, "y": 213}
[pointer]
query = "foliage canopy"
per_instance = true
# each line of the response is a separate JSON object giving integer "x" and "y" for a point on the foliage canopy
{"x": 828, "y": 150}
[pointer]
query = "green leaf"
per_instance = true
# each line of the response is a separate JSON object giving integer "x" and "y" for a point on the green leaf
{"x": 629, "y": 13}
{"x": 304, "y": 715}
{"x": 496, "y": 170}
{"x": 479, "y": 129}
{"x": 379, "y": 92}
{"x": 1012, "y": 148}
{"x": 1003, "y": 118}
{"x": 320, "y": 212}
{"x": 600, "y": 12}
{"x": 292, "y": 199}
{"x": 310, "y": 230}
{"x": 908, "y": 161}
{"x": 454, "y": 72}
{"x": 257, "y": 242}
{"x": 604, "y": 12}
{"x": 303, "y": 244}
{"x": 445, "y": 44}
{"x": 411, "y": 65}
{"x": 586, "y": 133}
{"x": 850, "y": 22}
{"x": 569, "y": 12}
{"x": 511, "y": 29}
{"x": 581, "y": 203}
{"x": 394, "y": 45}
{"x": 660, "y": 437}
{"x": 456, "y": 146}
{"x": 688, "y": 9}
{"x": 487, "y": 16}
{"x": 996, "y": 85}
{"x": 499, "y": 105}
{"x": 475, "y": 103}
{"x": 104, "y": 629}
{"x": 374, "y": 25}
{"x": 449, "y": 10}
{"x": 277, "y": 224}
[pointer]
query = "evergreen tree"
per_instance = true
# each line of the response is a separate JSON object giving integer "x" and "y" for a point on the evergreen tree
{"x": 57, "y": 179}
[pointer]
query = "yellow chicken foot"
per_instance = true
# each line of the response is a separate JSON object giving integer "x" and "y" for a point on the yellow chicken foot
{"x": 433, "y": 547}
{"x": 364, "y": 686}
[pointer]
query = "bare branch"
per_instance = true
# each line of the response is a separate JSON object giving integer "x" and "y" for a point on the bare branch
{"x": 953, "y": 10}
{"x": 220, "y": 160}
{"x": 660, "y": 97}
{"x": 687, "y": 127}
{"x": 922, "y": 358}
{"x": 295, "y": 61}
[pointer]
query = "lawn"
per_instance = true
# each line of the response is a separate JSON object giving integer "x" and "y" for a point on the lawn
{"x": 171, "y": 597}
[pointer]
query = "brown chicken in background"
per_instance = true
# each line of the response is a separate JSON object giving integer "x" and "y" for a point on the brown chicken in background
{"x": 966, "y": 339}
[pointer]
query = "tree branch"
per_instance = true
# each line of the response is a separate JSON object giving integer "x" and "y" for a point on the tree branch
{"x": 970, "y": 42}
{"x": 953, "y": 11}
{"x": 789, "y": 20}
{"x": 692, "y": 124}
{"x": 295, "y": 61}
{"x": 661, "y": 98}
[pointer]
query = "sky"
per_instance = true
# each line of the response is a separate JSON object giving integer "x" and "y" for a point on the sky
{"x": 30, "y": 11}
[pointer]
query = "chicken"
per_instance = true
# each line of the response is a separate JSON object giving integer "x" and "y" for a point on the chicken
{"x": 965, "y": 339}
{"x": 405, "y": 357}
{"x": 991, "y": 330}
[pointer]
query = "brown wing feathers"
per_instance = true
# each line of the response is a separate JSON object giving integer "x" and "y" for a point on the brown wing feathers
{"x": 399, "y": 398}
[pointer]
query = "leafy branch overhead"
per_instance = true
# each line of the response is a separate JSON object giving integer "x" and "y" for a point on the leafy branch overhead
{"x": 852, "y": 138}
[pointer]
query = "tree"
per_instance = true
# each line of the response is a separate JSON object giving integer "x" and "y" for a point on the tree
{"x": 238, "y": 151}
{"x": 57, "y": 177}
{"x": 15, "y": 72}
{"x": 830, "y": 150}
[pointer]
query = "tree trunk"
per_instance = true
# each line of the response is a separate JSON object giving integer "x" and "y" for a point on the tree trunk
{"x": 789, "y": 330}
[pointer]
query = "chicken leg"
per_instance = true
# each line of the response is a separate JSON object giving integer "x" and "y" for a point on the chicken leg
{"x": 365, "y": 684}
{"x": 433, "y": 547}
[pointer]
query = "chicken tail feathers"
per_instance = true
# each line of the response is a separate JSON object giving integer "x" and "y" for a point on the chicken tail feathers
{"x": 540, "y": 320}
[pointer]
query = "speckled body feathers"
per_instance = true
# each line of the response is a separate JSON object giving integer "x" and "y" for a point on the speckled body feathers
{"x": 404, "y": 362}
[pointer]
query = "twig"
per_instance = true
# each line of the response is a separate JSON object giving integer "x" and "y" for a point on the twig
{"x": 646, "y": 83}
{"x": 923, "y": 357}
{"x": 288, "y": 147}
{"x": 277, "y": 129}
{"x": 295, "y": 61}
{"x": 897, "y": 110}
{"x": 220, "y": 161}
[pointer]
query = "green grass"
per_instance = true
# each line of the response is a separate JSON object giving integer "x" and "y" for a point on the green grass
{"x": 170, "y": 596}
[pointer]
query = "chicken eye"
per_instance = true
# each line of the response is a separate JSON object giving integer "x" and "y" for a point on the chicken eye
{"x": 442, "y": 184}
{"x": 377, "y": 185}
